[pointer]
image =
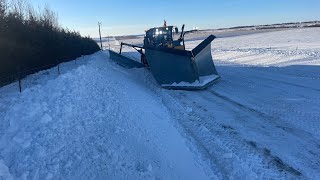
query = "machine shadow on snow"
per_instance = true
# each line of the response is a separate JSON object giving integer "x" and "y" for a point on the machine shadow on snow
{"x": 297, "y": 71}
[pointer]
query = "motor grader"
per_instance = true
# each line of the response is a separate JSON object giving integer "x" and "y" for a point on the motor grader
{"x": 172, "y": 66}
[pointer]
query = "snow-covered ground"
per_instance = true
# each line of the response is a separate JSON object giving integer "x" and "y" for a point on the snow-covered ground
{"x": 92, "y": 122}
{"x": 262, "y": 119}
{"x": 98, "y": 120}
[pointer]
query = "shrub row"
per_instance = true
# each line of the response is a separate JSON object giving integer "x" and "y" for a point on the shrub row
{"x": 31, "y": 40}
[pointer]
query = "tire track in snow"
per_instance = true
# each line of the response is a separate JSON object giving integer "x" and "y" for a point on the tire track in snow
{"x": 281, "y": 98}
{"x": 221, "y": 144}
{"x": 253, "y": 111}
{"x": 264, "y": 156}
{"x": 216, "y": 167}
{"x": 271, "y": 105}
{"x": 267, "y": 73}
{"x": 285, "y": 131}
{"x": 291, "y": 84}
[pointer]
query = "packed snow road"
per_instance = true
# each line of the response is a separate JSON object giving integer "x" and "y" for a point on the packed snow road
{"x": 101, "y": 121}
{"x": 262, "y": 119}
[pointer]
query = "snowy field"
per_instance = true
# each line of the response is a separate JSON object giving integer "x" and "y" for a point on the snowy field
{"x": 98, "y": 120}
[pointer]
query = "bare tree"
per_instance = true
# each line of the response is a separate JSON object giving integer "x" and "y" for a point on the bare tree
{"x": 31, "y": 14}
{"x": 3, "y": 8}
{"x": 19, "y": 8}
{"x": 50, "y": 18}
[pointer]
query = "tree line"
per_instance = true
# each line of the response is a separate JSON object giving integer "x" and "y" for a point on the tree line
{"x": 31, "y": 39}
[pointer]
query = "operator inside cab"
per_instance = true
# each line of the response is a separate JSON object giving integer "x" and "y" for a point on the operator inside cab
{"x": 163, "y": 37}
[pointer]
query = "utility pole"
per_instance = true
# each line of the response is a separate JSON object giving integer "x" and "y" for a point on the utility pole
{"x": 99, "y": 24}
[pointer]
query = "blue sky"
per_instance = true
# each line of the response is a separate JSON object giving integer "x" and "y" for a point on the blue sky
{"x": 133, "y": 17}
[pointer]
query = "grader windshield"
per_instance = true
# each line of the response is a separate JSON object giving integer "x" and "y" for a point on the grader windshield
{"x": 161, "y": 36}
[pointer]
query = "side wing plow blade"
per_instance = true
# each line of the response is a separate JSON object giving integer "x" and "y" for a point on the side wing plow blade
{"x": 124, "y": 61}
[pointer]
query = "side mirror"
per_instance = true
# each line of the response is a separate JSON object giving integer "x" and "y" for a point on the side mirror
{"x": 176, "y": 30}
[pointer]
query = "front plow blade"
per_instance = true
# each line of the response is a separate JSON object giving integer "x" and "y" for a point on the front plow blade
{"x": 181, "y": 69}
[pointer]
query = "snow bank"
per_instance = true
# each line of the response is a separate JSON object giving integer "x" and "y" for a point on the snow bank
{"x": 93, "y": 122}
